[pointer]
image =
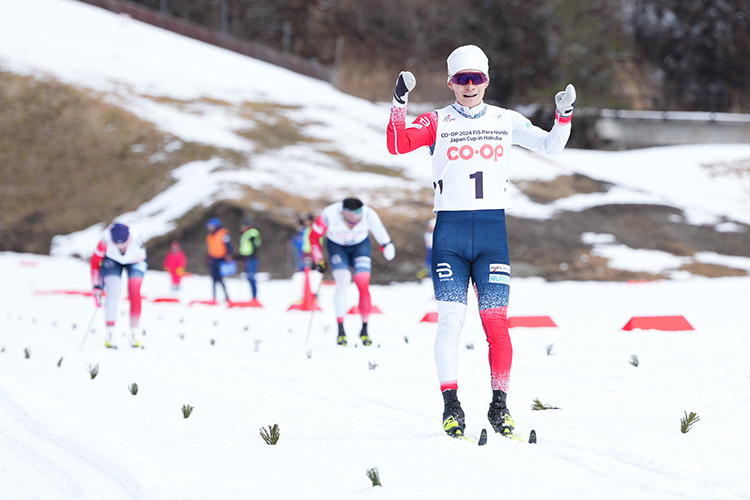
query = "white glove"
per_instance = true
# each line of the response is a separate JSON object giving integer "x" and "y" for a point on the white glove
{"x": 389, "y": 251}
{"x": 566, "y": 101}
{"x": 404, "y": 84}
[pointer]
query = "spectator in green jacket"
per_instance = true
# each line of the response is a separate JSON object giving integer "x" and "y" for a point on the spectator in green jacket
{"x": 249, "y": 244}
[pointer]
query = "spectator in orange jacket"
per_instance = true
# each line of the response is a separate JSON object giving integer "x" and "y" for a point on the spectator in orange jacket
{"x": 175, "y": 263}
{"x": 219, "y": 251}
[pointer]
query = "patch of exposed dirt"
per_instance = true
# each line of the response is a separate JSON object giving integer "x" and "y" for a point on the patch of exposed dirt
{"x": 69, "y": 160}
{"x": 553, "y": 248}
{"x": 276, "y": 214}
{"x": 562, "y": 187}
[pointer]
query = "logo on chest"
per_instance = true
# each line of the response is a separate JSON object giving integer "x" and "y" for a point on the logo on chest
{"x": 467, "y": 152}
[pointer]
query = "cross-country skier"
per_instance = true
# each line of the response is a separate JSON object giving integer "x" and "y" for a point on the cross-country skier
{"x": 120, "y": 248}
{"x": 470, "y": 143}
{"x": 347, "y": 225}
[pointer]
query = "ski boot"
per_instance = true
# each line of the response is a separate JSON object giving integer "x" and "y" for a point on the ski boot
{"x": 366, "y": 340}
{"x": 134, "y": 343}
{"x": 499, "y": 416}
{"x": 454, "y": 421}
{"x": 108, "y": 342}
{"x": 341, "y": 339}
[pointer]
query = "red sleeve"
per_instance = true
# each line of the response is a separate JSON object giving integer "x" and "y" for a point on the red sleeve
{"x": 401, "y": 139}
{"x": 317, "y": 231}
{"x": 96, "y": 262}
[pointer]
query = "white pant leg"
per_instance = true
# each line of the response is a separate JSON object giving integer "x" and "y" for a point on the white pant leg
{"x": 343, "y": 278}
{"x": 451, "y": 317}
{"x": 112, "y": 286}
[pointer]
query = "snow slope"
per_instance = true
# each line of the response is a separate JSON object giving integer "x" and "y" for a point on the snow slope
{"x": 132, "y": 64}
{"x": 344, "y": 410}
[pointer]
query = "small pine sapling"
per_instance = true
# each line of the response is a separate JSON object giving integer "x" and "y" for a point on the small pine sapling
{"x": 470, "y": 346}
{"x": 93, "y": 371}
{"x": 406, "y": 339}
{"x": 686, "y": 422}
{"x": 538, "y": 405}
{"x": 374, "y": 476}
{"x": 186, "y": 410}
{"x": 27, "y": 353}
{"x": 549, "y": 350}
{"x": 634, "y": 360}
{"x": 59, "y": 362}
{"x": 133, "y": 388}
{"x": 270, "y": 435}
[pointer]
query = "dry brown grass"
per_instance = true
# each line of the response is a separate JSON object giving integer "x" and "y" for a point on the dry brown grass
{"x": 712, "y": 270}
{"x": 561, "y": 187}
{"x": 737, "y": 168}
{"x": 271, "y": 128}
{"x": 348, "y": 163}
{"x": 69, "y": 160}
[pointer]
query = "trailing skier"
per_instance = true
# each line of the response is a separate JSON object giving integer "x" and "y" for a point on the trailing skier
{"x": 347, "y": 225}
{"x": 120, "y": 249}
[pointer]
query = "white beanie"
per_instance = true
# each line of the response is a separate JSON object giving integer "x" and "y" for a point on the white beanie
{"x": 467, "y": 57}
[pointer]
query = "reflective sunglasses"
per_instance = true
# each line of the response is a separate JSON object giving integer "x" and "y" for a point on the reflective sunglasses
{"x": 465, "y": 78}
{"x": 352, "y": 216}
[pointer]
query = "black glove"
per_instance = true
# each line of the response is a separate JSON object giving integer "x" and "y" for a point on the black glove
{"x": 320, "y": 267}
{"x": 404, "y": 84}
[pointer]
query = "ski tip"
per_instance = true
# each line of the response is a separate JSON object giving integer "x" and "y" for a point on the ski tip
{"x": 482, "y": 438}
{"x": 532, "y": 437}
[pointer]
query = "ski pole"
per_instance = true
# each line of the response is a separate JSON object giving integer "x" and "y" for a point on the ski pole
{"x": 312, "y": 311}
{"x": 91, "y": 325}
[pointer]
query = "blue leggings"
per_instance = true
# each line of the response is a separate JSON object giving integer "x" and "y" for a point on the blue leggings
{"x": 471, "y": 245}
{"x": 251, "y": 267}
{"x": 218, "y": 279}
{"x": 356, "y": 256}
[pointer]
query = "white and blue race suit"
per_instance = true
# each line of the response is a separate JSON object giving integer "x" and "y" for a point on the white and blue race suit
{"x": 471, "y": 152}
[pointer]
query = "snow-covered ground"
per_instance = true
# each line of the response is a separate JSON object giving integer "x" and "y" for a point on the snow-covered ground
{"x": 344, "y": 410}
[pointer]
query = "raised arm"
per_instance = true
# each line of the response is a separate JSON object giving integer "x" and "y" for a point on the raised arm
{"x": 538, "y": 140}
{"x": 400, "y": 138}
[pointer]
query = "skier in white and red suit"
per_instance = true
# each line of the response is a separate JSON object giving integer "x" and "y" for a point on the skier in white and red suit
{"x": 120, "y": 248}
{"x": 347, "y": 225}
{"x": 470, "y": 143}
